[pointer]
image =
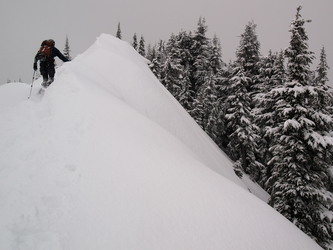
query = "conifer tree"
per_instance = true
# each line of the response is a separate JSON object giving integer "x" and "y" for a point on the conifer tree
{"x": 242, "y": 132}
{"x": 279, "y": 76}
{"x": 298, "y": 54}
{"x": 119, "y": 32}
{"x": 185, "y": 97}
{"x": 154, "y": 64}
{"x": 216, "y": 57}
{"x": 172, "y": 68}
{"x": 135, "y": 42}
{"x": 67, "y": 50}
{"x": 151, "y": 53}
{"x": 271, "y": 75}
{"x": 240, "y": 126}
{"x": 142, "y": 49}
{"x": 201, "y": 54}
{"x": 213, "y": 91}
{"x": 322, "y": 69}
{"x": 161, "y": 51}
{"x": 248, "y": 54}
{"x": 184, "y": 42}
{"x": 206, "y": 102}
{"x": 271, "y": 72}
{"x": 218, "y": 126}
{"x": 302, "y": 144}
{"x": 185, "y": 45}
{"x": 248, "y": 51}
{"x": 206, "y": 66}
{"x": 176, "y": 70}
{"x": 205, "y": 110}
{"x": 158, "y": 58}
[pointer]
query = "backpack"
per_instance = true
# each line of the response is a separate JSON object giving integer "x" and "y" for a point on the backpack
{"x": 45, "y": 52}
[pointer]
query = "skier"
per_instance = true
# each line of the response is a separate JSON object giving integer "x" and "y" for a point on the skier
{"x": 46, "y": 55}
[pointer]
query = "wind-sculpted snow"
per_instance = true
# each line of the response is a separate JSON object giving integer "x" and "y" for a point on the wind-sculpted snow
{"x": 107, "y": 159}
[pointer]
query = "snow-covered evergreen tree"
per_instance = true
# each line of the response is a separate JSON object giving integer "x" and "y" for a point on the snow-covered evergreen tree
{"x": 67, "y": 50}
{"x": 142, "y": 49}
{"x": 302, "y": 143}
{"x": 185, "y": 96}
{"x": 204, "y": 104}
{"x": 154, "y": 63}
{"x": 158, "y": 60}
{"x": 119, "y": 32}
{"x": 216, "y": 57}
{"x": 206, "y": 66}
{"x": 248, "y": 54}
{"x": 213, "y": 92}
{"x": 322, "y": 69}
{"x": 279, "y": 76}
{"x": 151, "y": 52}
{"x": 176, "y": 70}
{"x": 172, "y": 68}
{"x": 218, "y": 127}
{"x": 240, "y": 127}
{"x": 271, "y": 75}
{"x": 298, "y": 54}
{"x": 161, "y": 51}
{"x": 184, "y": 45}
{"x": 271, "y": 72}
{"x": 201, "y": 52}
{"x": 135, "y": 42}
{"x": 242, "y": 132}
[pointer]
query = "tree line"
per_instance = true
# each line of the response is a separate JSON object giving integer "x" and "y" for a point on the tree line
{"x": 271, "y": 114}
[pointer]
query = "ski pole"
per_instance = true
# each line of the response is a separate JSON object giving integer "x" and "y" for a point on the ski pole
{"x": 33, "y": 79}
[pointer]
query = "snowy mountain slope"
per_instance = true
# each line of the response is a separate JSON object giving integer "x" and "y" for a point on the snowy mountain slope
{"x": 140, "y": 89}
{"x": 107, "y": 159}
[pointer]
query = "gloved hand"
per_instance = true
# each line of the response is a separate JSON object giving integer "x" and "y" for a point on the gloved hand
{"x": 35, "y": 66}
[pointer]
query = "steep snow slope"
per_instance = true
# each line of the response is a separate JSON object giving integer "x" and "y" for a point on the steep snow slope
{"x": 119, "y": 70}
{"x": 107, "y": 159}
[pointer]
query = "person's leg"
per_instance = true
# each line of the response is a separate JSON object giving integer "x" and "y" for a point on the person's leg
{"x": 43, "y": 72}
{"x": 51, "y": 72}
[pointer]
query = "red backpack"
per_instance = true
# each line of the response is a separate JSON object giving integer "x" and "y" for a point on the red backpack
{"x": 45, "y": 52}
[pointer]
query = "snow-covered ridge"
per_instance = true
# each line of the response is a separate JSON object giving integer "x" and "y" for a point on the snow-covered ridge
{"x": 140, "y": 89}
{"x": 107, "y": 159}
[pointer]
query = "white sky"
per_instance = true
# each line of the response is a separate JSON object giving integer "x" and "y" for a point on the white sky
{"x": 25, "y": 24}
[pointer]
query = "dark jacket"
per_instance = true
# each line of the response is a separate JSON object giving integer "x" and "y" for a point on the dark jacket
{"x": 55, "y": 53}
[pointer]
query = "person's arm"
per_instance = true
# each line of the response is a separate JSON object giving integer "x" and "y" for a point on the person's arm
{"x": 58, "y": 54}
{"x": 35, "y": 62}
{"x": 36, "y": 58}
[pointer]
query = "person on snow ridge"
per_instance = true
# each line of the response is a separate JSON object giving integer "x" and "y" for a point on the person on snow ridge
{"x": 46, "y": 55}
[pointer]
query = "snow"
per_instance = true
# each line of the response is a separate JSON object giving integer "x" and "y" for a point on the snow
{"x": 107, "y": 159}
{"x": 291, "y": 123}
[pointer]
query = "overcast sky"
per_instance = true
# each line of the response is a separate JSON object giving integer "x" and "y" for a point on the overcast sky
{"x": 25, "y": 24}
